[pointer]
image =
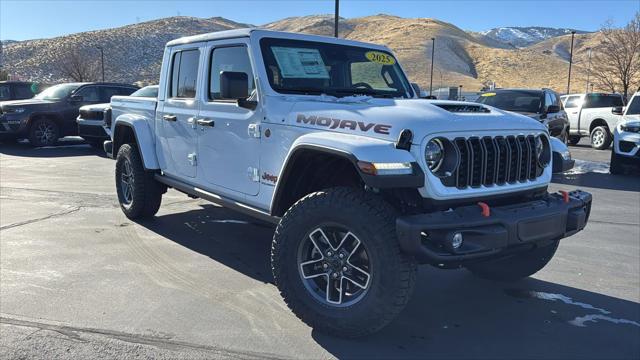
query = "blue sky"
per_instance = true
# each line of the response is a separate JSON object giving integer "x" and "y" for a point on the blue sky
{"x": 26, "y": 19}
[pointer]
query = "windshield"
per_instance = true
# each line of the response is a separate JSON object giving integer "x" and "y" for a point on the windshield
{"x": 57, "y": 92}
{"x": 513, "y": 100}
{"x": 148, "y": 91}
{"x": 314, "y": 68}
{"x": 634, "y": 106}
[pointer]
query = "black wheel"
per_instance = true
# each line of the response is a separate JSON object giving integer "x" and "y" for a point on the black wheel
{"x": 139, "y": 193}
{"x": 44, "y": 132}
{"x": 615, "y": 165}
{"x": 516, "y": 266}
{"x": 337, "y": 263}
{"x": 574, "y": 140}
{"x": 600, "y": 138}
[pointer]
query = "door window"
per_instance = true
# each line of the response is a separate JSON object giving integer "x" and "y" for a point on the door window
{"x": 572, "y": 102}
{"x": 89, "y": 94}
{"x": 4, "y": 92}
{"x": 184, "y": 74}
{"x": 24, "y": 92}
{"x": 234, "y": 58}
{"x": 603, "y": 101}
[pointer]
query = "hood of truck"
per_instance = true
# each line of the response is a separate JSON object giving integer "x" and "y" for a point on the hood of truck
{"x": 386, "y": 118}
{"x": 28, "y": 103}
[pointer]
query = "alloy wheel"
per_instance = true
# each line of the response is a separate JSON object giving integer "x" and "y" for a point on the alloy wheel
{"x": 334, "y": 266}
{"x": 45, "y": 133}
{"x": 597, "y": 138}
{"x": 126, "y": 182}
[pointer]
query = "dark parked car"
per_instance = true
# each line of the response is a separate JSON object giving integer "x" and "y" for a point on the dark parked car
{"x": 52, "y": 114}
{"x": 16, "y": 90}
{"x": 93, "y": 117}
{"x": 543, "y": 105}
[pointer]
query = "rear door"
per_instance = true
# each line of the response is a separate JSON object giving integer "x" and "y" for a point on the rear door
{"x": 556, "y": 121}
{"x": 229, "y": 148}
{"x": 179, "y": 111}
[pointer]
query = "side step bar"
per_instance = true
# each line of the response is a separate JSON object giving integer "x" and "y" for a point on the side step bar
{"x": 217, "y": 199}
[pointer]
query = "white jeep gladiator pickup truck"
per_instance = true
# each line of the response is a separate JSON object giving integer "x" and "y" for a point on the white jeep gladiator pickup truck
{"x": 326, "y": 138}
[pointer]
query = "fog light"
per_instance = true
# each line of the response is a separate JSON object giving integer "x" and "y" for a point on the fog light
{"x": 456, "y": 241}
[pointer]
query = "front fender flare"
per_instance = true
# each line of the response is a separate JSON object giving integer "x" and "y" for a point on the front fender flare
{"x": 144, "y": 138}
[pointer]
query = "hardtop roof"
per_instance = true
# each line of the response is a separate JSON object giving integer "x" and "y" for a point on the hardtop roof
{"x": 248, "y": 32}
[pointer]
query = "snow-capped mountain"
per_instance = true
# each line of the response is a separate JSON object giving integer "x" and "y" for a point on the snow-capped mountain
{"x": 525, "y": 36}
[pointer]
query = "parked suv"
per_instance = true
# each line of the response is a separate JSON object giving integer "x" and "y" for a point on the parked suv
{"x": 543, "y": 105}
{"x": 52, "y": 114}
{"x": 93, "y": 117}
{"x": 593, "y": 115}
{"x": 626, "y": 138}
{"x": 327, "y": 139}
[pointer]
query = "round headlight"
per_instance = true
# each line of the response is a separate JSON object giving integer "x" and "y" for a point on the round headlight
{"x": 543, "y": 154}
{"x": 434, "y": 154}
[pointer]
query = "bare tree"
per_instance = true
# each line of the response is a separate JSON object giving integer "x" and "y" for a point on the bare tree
{"x": 77, "y": 67}
{"x": 616, "y": 60}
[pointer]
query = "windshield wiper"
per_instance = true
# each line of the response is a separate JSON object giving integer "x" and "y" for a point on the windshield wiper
{"x": 301, "y": 90}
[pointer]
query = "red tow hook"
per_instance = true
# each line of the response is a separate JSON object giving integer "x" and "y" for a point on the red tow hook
{"x": 486, "y": 211}
{"x": 565, "y": 196}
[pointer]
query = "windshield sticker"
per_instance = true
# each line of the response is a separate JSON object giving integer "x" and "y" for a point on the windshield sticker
{"x": 380, "y": 57}
{"x": 488, "y": 94}
{"x": 300, "y": 63}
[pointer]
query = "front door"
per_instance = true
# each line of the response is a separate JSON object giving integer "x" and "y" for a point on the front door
{"x": 178, "y": 113}
{"x": 228, "y": 135}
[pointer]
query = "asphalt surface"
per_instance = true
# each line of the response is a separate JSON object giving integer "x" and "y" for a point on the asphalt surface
{"x": 79, "y": 280}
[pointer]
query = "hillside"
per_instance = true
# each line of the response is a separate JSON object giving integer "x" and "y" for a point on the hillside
{"x": 133, "y": 52}
{"x": 516, "y": 36}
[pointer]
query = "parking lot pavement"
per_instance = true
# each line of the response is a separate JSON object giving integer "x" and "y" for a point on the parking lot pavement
{"x": 79, "y": 280}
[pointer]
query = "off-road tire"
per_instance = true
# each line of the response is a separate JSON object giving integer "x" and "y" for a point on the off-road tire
{"x": 615, "y": 164}
{"x": 516, "y": 266}
{"x": 146, "y": 191}
{"x": 392, "y": 274}
{"x": 37, "y": 129}
{"x": 574, "y": 140}
{"x": 607, "y": 138}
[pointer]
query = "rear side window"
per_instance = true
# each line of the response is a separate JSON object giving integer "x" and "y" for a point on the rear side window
{"x": 24, "y": 92}
{"x": 108, "y": 92}
{"x": 234, "y": 59}
{"x": 184, "y": 74}
{"x": 572, "y": 102}
{"x": 602, "y": 101}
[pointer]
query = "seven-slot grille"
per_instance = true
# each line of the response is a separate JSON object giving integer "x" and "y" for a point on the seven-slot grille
{"x": 492, "y": 161}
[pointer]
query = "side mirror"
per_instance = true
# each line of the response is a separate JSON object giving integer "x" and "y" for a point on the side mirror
{"x": 552, "y": 109}
{"x": 617, "y": 110}
{"x": 234, "y": 85}
{"x": 76, "y": 98}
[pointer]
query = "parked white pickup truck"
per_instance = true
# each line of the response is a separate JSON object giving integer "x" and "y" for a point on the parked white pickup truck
{"x": 594, "y": 115}
{"x": 626, "y": 138}
{"x": 326, "y": 138}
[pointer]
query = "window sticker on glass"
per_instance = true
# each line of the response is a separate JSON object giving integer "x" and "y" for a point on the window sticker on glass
{"x": 300, "y": 63}
{"x": 380, "y": 57}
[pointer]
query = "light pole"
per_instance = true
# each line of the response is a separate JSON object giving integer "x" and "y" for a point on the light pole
{"x": 101, "y": 60}
{"x": 588, "y": 69}
{"x": 573, "y": 33}
{"x": 433, "y": 49}
{"x": 336, "y": 17}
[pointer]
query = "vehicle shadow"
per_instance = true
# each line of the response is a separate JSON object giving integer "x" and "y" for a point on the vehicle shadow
{"x": 627, "y": 182}
{"x": 452, "y": 314}
{"x": 64, "y": 148}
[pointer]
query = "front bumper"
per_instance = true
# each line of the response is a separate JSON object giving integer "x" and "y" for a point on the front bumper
{"x": 13, "y": 124}
{"x": 91, "y": 129}
{"x": 428, "y": 237}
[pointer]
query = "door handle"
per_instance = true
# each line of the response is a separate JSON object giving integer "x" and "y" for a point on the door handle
{"x": 206, "y": 122}
{"x": 169, "y": 118}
